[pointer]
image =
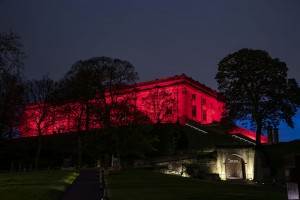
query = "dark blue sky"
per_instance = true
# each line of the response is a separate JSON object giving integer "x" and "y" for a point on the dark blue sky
{"x": 159, "y": 37}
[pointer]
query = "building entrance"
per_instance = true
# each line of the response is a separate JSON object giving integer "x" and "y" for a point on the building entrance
{"x": 235, "y": 167}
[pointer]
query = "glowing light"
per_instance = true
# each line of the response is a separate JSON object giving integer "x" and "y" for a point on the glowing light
{"x": 198, "y": 129}
{"x": 248, "y": 134}
{"x": 178, "y": 170}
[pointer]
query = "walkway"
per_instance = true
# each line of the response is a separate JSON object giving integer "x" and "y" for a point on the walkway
{"x": 86, "y": 186}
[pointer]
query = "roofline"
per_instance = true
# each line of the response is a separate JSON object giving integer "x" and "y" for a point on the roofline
{"x": 181, "y": 79}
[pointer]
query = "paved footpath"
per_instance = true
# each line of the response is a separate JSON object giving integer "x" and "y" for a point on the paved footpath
{"x": 85, "y": 187}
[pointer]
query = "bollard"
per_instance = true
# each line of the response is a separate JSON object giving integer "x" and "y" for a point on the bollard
{"x": 292, "y": 173}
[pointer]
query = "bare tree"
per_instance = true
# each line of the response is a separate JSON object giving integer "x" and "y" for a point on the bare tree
{"x": 11, "y": 56}
{"x": 38, "y": 115}
{"x": 11, "y": 97}
{"x": 11, "y": 83}
{"x": 118, "y": 74}
{"x": 126, "y": 113}
{"x": 160, "y": 104}
{"x": 91, "y": 88}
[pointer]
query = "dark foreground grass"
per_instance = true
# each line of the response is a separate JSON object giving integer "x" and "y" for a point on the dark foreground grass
{"x": 148, "y": 185}
{"x": 44, "y": 185}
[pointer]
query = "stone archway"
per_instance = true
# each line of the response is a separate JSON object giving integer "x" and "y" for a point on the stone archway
{"x": 235, "y": 161}
{"x": 235, "y": 167}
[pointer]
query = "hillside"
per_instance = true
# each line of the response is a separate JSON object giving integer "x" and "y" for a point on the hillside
{"x": 129, "y": 142}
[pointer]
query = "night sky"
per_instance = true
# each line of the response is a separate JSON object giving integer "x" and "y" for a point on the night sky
{"x": 161, "y": 38}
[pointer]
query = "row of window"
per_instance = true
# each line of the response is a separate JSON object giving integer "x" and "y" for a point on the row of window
{"x": 194, "y": 113}
{"x": 169, "y": 112}
{"x": 203, "y": 99}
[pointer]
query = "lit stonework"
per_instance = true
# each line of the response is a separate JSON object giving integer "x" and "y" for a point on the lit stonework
{"x": 241, "y": 159}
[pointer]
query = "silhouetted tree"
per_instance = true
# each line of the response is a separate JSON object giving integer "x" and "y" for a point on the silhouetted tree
{"x": 11, "y": 98}
{"x": 127, "y": 137}
{"x": 118, "y": 74}
{"x": 255, "y": 87}
{"x": 94, "y": 85}
{"x": 160, "y": 104}
{"x": 39, "y": 115}
{"x": 11, "y": 83}
{"x": 134, "y": 141}
{"x": 11, "y": 55}
{"x": 125, "y": 113}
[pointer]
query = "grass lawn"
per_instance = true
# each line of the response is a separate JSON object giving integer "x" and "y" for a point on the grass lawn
{"x": 144, "y": 185}
{"x": 44, "y": 185}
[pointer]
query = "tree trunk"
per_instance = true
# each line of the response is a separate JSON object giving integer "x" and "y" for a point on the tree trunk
{"x": 79, "y": 158}
{"x": 87, "y": 116}
{"x": 1, "y": 132}
{"x": 107, "y": 123}
{"x": 10, "y": 136}
{"x": 258, "y": 133}
{"x": 38, "y": 150}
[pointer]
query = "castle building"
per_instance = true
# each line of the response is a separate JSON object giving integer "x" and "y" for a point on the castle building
{"x": 167, "y": 100}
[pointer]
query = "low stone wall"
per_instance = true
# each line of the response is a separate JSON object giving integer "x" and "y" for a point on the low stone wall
{"x": 152, "y": 162}
{"x": 227, "y": 162}
{"x": 187, "y": 166}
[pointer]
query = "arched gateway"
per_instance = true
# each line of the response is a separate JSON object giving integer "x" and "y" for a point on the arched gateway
{"x": 235, "y": 162}
{"x": 235, "y": 167}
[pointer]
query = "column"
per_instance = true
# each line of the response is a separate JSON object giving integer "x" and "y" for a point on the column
{"x": 275, "y": 136}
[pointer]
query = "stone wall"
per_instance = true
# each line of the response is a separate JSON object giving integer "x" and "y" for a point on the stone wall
{"x": 228, "y": 162}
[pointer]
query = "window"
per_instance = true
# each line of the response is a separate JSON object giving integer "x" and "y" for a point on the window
{"x": 204, "y": 101}
{"x": 193, "y": 96}
{"x": 204, "y": 115}
{"x": 169, "y": 111}
{"x": 194, "y": 111}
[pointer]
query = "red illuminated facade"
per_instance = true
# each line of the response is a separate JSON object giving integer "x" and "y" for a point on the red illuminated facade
{"x": 174, "y": 99}
{"x": 192, "y": 100}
